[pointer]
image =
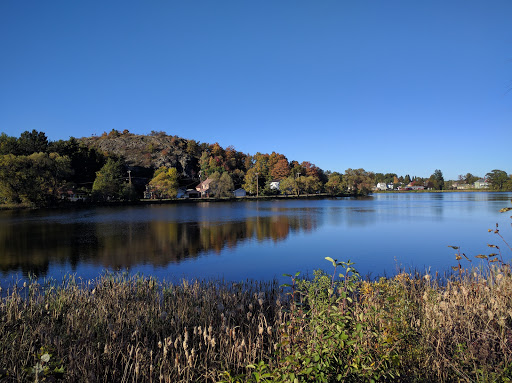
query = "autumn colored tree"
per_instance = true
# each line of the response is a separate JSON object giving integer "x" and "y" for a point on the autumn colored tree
{"x": 310, "y": 184}
{"x": 280, "y": 170}
{"x": 248, "y": 162}
{"x": 261, "y": 164}
{"x": 334, "y": 185}
{"x": 114, "y": 133}
{"x": 217, "y": 150}
{"x": 289, "y": 185}
{"x": 358, "y": 181}
{"x": 165, "y": 182}
{"x": 209, "y": 165}
{"x": 230, "y": 162}
{"x": 215, "y": 164}
{"x": 311, "y": 169}
{"x": 273, "y": 158}
{"x": 251, "y": 181}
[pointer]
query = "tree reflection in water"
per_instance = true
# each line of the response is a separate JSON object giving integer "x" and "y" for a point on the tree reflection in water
{"x": 32, "y": 247}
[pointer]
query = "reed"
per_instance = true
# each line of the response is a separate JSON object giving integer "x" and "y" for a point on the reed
{"x": 412, "y": 327}
{"x": 120, "y": 328}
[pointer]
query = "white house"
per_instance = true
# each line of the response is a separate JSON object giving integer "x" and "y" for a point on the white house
{"x": 274, "y": 185}
{"x": 481, "y": 184}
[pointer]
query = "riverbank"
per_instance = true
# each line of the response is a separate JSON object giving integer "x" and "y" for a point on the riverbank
{"x": 246, "y": 198}
{"x": 441, "y": 191}
{"x": 88, "y": 204}
{"x": 119, "y": 328}
{"x": 85, "y": 204}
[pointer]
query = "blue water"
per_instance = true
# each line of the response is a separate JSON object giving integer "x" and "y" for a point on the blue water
{"x": 253, "y": 239}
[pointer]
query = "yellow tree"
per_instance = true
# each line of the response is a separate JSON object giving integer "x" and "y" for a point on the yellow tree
{"x": 165, "y": 182}
{"x": 251, "y": 181}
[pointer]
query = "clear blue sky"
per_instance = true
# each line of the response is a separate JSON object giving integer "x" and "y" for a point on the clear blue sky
{"x": 389, "y": 86}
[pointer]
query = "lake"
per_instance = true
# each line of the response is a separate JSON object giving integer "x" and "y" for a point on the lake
{"x": 261, "y": 240}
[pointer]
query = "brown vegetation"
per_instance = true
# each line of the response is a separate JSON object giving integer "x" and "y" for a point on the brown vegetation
{"x": 119, "y": 328}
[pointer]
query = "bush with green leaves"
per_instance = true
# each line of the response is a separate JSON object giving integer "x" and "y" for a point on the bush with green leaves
{"x": 327, "y": 338}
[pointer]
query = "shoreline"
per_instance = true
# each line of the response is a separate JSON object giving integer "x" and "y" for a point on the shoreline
{"x": 81, "y": 204}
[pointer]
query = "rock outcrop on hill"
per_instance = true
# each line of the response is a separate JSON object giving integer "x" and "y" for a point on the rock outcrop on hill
{"x": 144, "y": 153}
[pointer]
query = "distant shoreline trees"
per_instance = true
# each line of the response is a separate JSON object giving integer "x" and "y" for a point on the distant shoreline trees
{"x": 37, "y": 171}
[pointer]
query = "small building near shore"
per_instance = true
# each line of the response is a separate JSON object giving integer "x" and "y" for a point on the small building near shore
{"x": 182, "y": 193}
{"x": 481, "y": 184}
{"x": 240, "y": 192}
{"x": 204, "y": 188}
{"x": 72, "y": 195}
{"x": 193, "y": 193}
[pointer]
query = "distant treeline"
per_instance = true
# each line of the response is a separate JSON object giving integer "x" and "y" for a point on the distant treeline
{"x": 38, "y": 172}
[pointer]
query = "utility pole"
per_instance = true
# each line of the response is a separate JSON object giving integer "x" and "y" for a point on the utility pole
{"x": 257, "y": 186}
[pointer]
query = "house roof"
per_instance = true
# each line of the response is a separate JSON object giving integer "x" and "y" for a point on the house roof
{"x": 205, "y": 185}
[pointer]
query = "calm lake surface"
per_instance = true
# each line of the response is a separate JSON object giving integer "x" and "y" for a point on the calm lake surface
{"x": 252, "y": 239}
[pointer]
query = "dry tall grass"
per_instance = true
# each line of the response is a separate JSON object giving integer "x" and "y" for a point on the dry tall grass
{"x": 134, "y": 329}
{"x": 129, "y": 329}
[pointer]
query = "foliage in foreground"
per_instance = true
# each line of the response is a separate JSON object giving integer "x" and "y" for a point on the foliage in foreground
{"x": 409, "y": 328}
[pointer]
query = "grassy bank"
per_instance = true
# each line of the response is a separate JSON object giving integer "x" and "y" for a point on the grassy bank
{"x": 124, "y": 329}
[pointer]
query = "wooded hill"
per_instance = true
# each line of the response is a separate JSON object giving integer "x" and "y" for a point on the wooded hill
{"x": 194, "y": 162}
{"x": 119, "y": 165}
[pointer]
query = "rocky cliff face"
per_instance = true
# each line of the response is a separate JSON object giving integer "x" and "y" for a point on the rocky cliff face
{"x": 143, "y": 154}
